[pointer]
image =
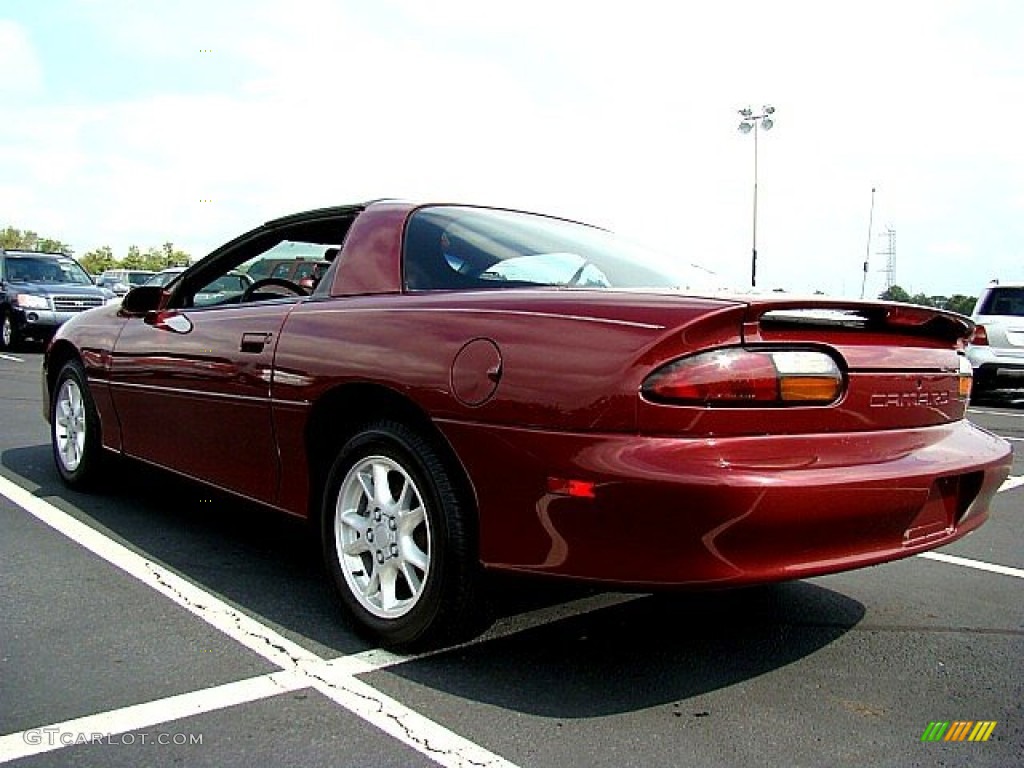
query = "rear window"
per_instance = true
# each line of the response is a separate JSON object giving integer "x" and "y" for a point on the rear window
{"x": 139, "y": 278}
{"x": 448, "y": 247}
{"x": 1003, "y": 301}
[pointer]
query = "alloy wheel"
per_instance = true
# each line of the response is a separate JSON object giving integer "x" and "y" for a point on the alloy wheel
{"x": 70, "y": 425}
{"x": 382, "y": 537}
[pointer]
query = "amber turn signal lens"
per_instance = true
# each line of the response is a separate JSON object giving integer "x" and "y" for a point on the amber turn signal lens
{"x": 810, "y": 388}
{"x": 965, "y": 379}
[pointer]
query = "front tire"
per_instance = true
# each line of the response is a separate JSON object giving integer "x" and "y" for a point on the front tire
{"x": 400, "y": 541}
{"x": 75, "y": 428}
{"x": 8, "y": 333}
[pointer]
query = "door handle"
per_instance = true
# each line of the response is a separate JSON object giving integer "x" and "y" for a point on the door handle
{"x": 255, "y": 342}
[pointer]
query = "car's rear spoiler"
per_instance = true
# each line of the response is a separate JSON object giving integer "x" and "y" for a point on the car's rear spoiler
{"x": 855, "y": 316}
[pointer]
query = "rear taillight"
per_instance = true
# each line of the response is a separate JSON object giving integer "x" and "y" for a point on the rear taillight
{"x": 980, "y": 337}
{"x": 737, "y": 376}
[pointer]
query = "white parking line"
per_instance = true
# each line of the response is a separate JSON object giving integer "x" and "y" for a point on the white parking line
{"x": 325, "y": 676}
{"x": 976, "y": 564}
{"x": 1011, "y": 482}
{"x": 12, "y": 358}
{"x": 411, "y": 728}
{"x": 139, "y": 717}
{"x": 257, "y": 637}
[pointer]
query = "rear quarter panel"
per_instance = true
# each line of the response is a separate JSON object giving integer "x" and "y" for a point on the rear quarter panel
{"x": 571, "y": 361}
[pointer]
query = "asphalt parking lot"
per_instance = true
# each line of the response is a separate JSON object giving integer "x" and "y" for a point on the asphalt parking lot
{"x": 164, "y": 624}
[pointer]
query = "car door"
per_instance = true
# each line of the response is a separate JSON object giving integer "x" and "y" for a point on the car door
{"x": 192, "y": 392}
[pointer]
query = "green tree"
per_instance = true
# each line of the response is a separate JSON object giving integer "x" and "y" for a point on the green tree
{"x": 957, "y": 302}
{"x": 962, "y": 304}
{"x": 134, "y": 258}
{"x": 174, "y": 257}
{"x": 894, "y": 294}
{"x": 920, "y": 298}
{"x": 27, "y": 240}
{"x": 98, "y": 260}
{"x": 153, "y": 259}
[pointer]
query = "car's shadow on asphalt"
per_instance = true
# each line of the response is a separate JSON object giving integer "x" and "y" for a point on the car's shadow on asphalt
{"x": 652, "y": 650}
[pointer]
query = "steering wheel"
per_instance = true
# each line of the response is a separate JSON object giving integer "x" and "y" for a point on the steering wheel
{"x": 276, "y": 282}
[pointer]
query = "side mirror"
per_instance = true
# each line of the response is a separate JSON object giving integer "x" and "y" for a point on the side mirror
{"x": 139, "y": 301}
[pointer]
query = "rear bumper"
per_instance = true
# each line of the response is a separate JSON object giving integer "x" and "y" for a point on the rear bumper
{"x": 718, "y": 512}
{"x": 996, "y": 368}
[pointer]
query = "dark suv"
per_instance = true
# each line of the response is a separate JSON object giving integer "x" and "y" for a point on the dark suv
{"x": 39, "y": 291}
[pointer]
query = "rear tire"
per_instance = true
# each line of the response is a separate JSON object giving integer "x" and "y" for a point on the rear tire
{"x": 75, "y": 429}
{"x": 399, "y": 539}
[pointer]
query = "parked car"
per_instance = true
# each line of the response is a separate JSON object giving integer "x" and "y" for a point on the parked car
{"x": 218, "y": 291}
{"x": 164, "y": 276}
{"x": 223, "y": 289}
{"x": 40, "y": 291}
{"x": 120, "y": 281}
{"x": 996, "y": 350}
{"x": 302, "y": 270}
{"x": 470, "y": 389}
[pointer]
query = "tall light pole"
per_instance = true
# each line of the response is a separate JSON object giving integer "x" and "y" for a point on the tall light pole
{"x": 867, "y": 248}
{"x": 750, "y": 123}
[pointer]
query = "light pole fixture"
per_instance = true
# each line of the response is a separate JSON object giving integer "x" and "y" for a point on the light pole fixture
{"x": 750, "y": 123}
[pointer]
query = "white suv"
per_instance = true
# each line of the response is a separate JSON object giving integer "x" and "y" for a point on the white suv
{"x": 996, "y": 350}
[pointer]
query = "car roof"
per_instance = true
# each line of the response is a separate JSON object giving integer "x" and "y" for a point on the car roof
{"x": 17, "y": 252}
{"x": 319, "y": 213}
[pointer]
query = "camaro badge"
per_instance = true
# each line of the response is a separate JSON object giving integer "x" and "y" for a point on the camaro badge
{"x": 908, "y": 399}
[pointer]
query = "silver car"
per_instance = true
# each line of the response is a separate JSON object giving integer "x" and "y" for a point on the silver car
{"x": 996, "y": 350}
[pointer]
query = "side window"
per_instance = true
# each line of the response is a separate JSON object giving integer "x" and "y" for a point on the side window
{"x": 282, "y": 263}
{"x": 283, "y": 271}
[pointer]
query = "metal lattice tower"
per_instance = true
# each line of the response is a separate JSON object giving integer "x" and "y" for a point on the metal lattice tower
{"x": 890, "y": 257}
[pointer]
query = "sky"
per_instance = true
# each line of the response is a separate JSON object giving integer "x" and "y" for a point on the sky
{"x": 129, "y": 122}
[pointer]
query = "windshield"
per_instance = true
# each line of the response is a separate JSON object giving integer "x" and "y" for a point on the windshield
{"x": 139, "y": 278}
{"x": 450, "y": 247}
{"x": 34, "y": 269}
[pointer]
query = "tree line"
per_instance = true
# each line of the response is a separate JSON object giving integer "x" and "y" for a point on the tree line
{"x": 957, "y": 302}
{"x": 100, "y": 259}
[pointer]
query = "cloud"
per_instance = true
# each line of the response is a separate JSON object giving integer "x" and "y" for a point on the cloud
{"x": 623, "y": 115}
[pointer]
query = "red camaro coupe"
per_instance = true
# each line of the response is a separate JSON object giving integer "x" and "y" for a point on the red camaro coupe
{"x": 469, "y": 389}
